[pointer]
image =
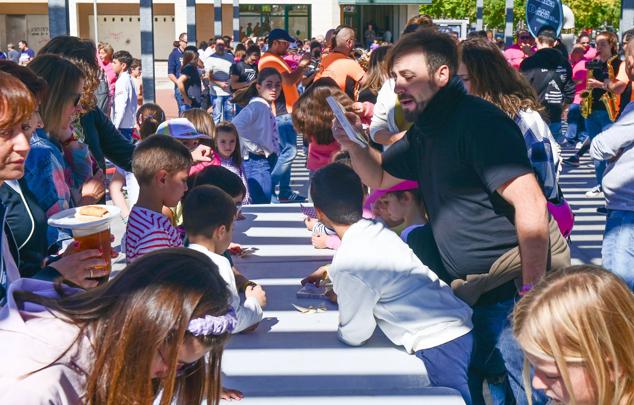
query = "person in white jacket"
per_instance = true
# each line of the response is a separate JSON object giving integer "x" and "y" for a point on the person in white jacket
{"x": 125, "y": 98}
{"x": 208, "y": 216}
{"x": 378, "y": 280}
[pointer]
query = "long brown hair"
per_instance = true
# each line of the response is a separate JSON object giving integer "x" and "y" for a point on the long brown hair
{"x": 312, "y": 116}
{"x": 83, "y": 54}
{"x": 62, "y": 78}
{"x": 493, "y": 79}
{"x": 149, "y": 116}
{"x": 377, "y": 71}
{"x": 228, "y": 127}
{"x": 17, "y": 103}
{"x": 36, "y": 85}
{"x": 244, "y": 95}
{"x": 147, "y": 306}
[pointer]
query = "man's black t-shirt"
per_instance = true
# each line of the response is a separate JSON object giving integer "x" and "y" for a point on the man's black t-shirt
{"x": 461, "y": 150}
{"x": 245, "y": 72}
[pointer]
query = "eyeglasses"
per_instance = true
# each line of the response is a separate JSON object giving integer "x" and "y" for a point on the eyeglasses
{"x": 525, "y": 37}
{"x": 76, "y": 99}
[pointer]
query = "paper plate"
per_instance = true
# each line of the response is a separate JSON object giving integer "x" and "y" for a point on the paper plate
{"x": 70, "y": 218}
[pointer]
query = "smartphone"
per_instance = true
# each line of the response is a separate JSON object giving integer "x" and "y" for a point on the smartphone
{"x": 350, "y": 130}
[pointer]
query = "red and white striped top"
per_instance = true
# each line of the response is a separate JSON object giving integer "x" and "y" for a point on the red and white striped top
{"x": 148, "y": 231}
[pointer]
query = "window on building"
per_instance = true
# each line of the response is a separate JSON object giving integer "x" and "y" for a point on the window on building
{"x": 259, "y": 20}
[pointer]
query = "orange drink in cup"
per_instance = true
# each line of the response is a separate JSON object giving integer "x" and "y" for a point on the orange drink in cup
{"x": 96, "y": 238}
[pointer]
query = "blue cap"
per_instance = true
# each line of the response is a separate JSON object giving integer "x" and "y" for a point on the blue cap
{"x": 280, "y": 34}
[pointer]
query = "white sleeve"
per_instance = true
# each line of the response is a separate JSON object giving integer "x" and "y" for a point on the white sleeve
{"x": 244, "y": 122}
{"x": 119, "y": 104}
{"x": 356, "y": 308}
{"x": 384, "y": 101}
{"x": 249, "y": 313}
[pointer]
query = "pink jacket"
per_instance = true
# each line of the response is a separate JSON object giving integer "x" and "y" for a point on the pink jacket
{"x": 31, "y": 338}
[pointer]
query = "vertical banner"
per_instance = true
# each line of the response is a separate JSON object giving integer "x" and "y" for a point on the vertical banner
{"x": 479, "y": 14}
{"x": 191, "y": 22}
{"x": 147, "y": 50}
{"x": 236, "y": 21}
{"x": 58, "y": 21}
{"x": 508, "y": 27}
{"x": 217, "y": 17}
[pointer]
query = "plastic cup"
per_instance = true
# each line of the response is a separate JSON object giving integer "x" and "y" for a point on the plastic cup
{"x": 96, "y": 238}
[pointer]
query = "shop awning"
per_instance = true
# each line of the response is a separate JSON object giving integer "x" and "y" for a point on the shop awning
{"x": 382, "y": 2}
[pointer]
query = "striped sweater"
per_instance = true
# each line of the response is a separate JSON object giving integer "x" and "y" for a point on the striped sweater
{"x": 148, "y": 231}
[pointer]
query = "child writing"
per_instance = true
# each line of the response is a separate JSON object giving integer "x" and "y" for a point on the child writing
{"x": 379, "y": 281}
{"x": 227, "y": 145}
{"x": 259, "y": 137}
{"x": 161, "y": 166}
{"x": 208, "y": 216}
{"x": 148, "y": 118}
{"x": 125, "y": 98}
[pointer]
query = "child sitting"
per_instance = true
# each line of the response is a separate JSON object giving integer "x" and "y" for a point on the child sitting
{"x": 148, "y": 118}
{"x": 208, "y": 216}
{"x": 161, "y": 166}
{"x": 227, "y": 145}
{"x": 379, "y": 281}
{"x": 403, "y": 204}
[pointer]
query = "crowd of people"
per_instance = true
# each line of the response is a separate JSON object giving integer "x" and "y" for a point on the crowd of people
{"x": 445, "y": 212}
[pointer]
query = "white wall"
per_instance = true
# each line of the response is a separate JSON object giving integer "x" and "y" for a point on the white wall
{"x": 325, "y": 14}
{"x": 125, "y": 35}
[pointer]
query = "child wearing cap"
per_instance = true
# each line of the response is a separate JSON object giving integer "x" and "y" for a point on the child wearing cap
{"x": 185, "y": 132}
{"x": 161, "y": 166}
{"x": 379, "y": 281}
{"x": 403, "y": 203}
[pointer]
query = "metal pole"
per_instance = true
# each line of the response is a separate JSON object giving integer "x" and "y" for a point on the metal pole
{"x": 191, "y": 22}
{"x": 508, "y": 29}
{"x": 479, "y": 14}
{"x": 217, "y": 17}
{"x": 94, "y": 20}
{"x": 58, "y": 21}
{"x": 147, "y": 50}
{"x": 627, "y": 15}
{"x": 236, "y": 21}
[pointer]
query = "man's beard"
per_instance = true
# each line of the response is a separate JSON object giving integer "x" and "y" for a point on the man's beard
{"x": 411, "y": 115}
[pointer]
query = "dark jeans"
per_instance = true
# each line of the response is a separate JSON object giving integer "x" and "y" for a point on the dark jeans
{"x": 257, "y": 170}
{"x": 179, "y": 100}
{"x": 576, "y": 125}
{"x": 497, "y": 357}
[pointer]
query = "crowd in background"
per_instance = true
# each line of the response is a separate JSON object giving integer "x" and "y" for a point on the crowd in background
{"x": 445, "y": 212}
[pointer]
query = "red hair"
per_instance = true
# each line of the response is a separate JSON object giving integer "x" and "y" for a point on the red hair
{"x": 17, "y": 103}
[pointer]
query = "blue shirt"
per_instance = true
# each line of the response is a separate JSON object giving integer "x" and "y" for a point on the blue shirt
{"x": 175, "y": 62}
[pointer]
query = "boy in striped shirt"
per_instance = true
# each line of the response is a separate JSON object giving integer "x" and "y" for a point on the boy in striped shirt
{"x": 161, "y": 165}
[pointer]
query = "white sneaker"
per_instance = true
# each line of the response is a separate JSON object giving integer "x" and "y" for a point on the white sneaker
{"x": 595, "y": 192}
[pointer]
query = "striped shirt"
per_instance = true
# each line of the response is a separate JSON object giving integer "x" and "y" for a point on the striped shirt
{"x": 148, "y": 231}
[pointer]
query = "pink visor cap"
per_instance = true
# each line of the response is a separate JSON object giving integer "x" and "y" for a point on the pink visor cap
{"x": 405, "y": 185}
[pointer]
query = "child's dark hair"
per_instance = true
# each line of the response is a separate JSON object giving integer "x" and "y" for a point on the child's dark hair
{"x": 123, "y": 57}
{"x": 205, "y": 209}
{"x": 159, "y": 152}
{"x": 336, "y": 190}
{"x": 149, "y": 116}
{"x": 220, "y": 177}
{"x": 243, "y": 96}
{"x": 188, "y": 56}
{"x": 136, "y": 63}
{"x": 228, "y": 127}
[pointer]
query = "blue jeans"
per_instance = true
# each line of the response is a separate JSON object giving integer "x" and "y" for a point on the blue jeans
{"x": 257, "y": 170}
{"x": 447, "y": 364}
{"x": 555, "y": 130}
{"x": 618, "y": 245}
{"x": 222, "y": 108}
{"x": 288, "y": 149}
{"x": 576, "y": 125}
{"x": 497, "y": 357}
{"x": 597, "y": 122}
{"x": 179, "y": 101}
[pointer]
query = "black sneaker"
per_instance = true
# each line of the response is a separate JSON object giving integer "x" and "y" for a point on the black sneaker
{"x": 292, "y": 198}
{"x": 602, "y": 210}
{"x": 572, "y": 161}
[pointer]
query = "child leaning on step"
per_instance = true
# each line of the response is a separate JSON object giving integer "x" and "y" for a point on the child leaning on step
{"x": 380, "y": 281}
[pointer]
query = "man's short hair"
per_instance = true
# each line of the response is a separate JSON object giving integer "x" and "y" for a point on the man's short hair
{"x": 438, "y": 47}
{"x": 159, "y": 152}
{"x": 547, "y": 36}
{"x": 123, "y": 57}
{"x": 11, "y": 46}
{"x": 627, "y": 35}
{"x": 24, "y": 42}
{"x": 220, "y": 177}
{"x": 336, "y": 190}
{"x": 253, "y": 49}
{"x": 205, "y": 209}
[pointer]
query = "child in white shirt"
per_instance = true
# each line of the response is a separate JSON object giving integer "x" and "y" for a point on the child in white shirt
{"x": 380, "y": 281}
{"x": 208, "y": 216}
{"x": 125, "y": 98}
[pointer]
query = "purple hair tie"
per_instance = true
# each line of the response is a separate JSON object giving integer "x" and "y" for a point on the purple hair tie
{"x": 213, "y": 325}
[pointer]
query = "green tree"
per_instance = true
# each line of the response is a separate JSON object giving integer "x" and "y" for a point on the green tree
{"x": 588, "y": 13}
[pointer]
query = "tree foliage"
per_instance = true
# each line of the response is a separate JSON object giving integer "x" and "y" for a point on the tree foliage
{"x": 588, "y": 13}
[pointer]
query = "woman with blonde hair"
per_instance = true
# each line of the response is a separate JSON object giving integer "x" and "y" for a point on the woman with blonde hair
{"x": 576, "y": 330}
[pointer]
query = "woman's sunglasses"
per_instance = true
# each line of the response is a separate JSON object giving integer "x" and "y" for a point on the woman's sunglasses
{"x": 77, "y": 99}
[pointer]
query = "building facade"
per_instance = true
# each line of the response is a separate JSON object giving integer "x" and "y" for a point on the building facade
{"x": 118, "y": 21}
